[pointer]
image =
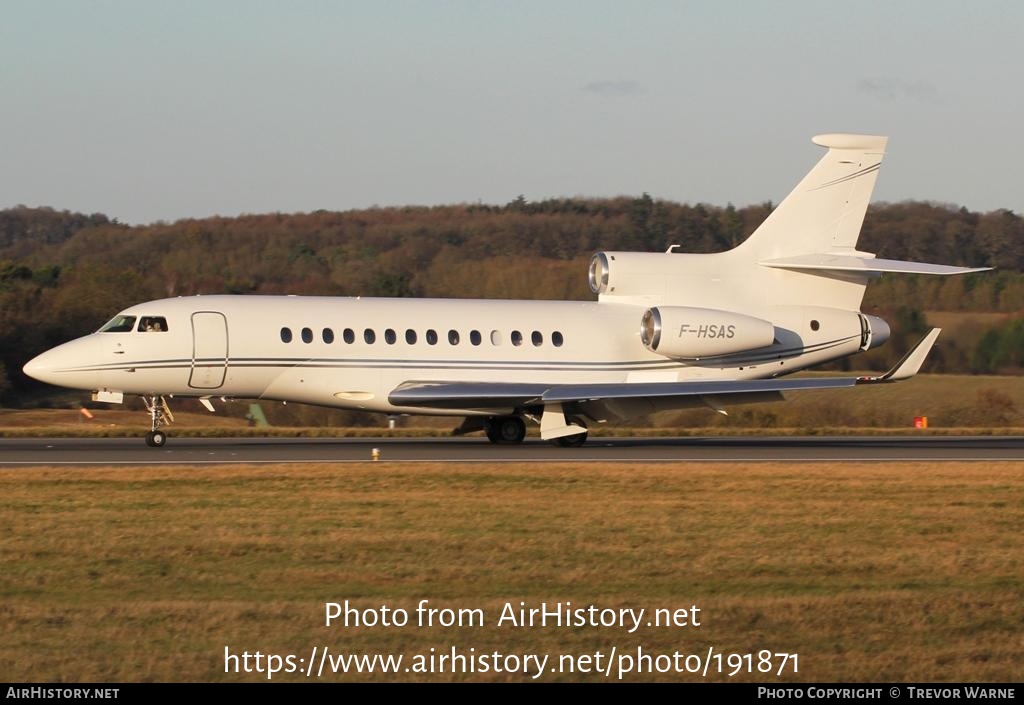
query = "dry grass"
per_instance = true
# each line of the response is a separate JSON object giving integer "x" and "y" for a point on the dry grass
{"x": 903, "y": 572}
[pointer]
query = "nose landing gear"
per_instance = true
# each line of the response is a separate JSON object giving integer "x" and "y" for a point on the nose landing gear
{"x": 159, "y": 415}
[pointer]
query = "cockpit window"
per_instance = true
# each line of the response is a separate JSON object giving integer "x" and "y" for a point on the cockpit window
{"x": 119, "y": 324}
{"x": 152, "y": 324}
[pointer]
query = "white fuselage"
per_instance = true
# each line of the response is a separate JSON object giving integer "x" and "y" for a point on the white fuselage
{"x": 668, "y": 331}
{"x": 315, "y": 350}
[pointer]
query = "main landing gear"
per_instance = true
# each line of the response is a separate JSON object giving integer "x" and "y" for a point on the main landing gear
{"x": 159, "y": 415}
{"x": 576, "y": 440}
{"x": 512, "y": 429}
{"x": 505, "y": 429}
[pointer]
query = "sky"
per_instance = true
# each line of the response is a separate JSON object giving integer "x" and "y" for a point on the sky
{"x": 148, "y": 111}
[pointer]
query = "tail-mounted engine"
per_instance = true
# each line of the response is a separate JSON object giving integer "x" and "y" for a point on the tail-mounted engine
{"x": 622, "y": 274}
{"x": 688, "y": 333}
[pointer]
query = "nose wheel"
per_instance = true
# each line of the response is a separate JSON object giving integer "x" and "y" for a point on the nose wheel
{"x": 159, "y": 415}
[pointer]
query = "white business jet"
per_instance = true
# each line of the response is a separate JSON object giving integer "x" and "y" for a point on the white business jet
{"x": 668, "y": 331}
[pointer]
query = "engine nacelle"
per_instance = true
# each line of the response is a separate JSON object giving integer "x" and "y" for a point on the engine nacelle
{"x": 689, "y": 333}
{"x": 635, "y": 273}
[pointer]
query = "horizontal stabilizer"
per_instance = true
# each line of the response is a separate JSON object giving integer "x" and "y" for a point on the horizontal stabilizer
{"x": 909, "y": 365}
{"x": 865, "y": 265}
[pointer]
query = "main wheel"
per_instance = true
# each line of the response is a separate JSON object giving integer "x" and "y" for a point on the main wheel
{"x": 156, "y": 439}
{"x": 574, "y": 441}
{"x": 506, "y": 429}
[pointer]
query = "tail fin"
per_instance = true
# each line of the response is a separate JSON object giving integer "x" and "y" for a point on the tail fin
{"x": 804, "y": 253}
{"x": 825, "y": 211}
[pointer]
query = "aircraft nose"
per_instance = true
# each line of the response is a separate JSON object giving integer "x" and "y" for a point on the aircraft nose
{"x": 62, "y": 365}
{"x": 40, "y": 366}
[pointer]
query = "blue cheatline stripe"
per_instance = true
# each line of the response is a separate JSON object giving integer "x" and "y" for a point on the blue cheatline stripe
{"x": 733, "y": 359}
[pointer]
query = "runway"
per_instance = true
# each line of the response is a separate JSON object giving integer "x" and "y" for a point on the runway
{"x": 23, "y": 452}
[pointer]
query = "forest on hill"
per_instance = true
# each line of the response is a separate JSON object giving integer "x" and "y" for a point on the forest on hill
{"x": 64, "y": 274}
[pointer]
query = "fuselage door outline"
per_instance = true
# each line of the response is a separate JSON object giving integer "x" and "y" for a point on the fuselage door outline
{"x": 209, "y": 350}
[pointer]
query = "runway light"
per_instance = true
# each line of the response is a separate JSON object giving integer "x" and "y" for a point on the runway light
{"x": 375, "y": 454}
{"x": 920, "y": 422}
{"x": 86, "y": 413}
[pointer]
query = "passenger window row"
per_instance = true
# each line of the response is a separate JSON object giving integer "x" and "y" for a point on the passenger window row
{"x": 431, "y": 336}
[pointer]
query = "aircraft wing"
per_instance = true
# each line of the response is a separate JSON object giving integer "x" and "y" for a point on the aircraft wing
{"x": 486, "y": 395}
{"x": 523, "y": 395}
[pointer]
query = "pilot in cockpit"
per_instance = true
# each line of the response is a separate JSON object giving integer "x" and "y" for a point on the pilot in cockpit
{"x": 152, "y": 324}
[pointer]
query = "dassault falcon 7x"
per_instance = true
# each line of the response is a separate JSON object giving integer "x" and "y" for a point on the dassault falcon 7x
{"x": 668, "y": 331}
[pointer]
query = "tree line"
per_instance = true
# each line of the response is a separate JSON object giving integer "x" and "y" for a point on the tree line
{"x": 62, "y": 274}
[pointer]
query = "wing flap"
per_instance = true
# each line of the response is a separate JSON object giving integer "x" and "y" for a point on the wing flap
{"x": 467, "y": 395}
{"x": 647, "y": 390}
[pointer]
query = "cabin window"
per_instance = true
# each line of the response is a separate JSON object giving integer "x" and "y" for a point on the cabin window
{"x": 432, "y": 337}
{"x": 556, "y": 339}
{"x": 119, "y": 324}
{"x": 307, "y": 335}
{"x": 369, "y": 336}
{"x": 328, "y": 335}
{"x": 495, "y": 337}
{"x": 152, "y": 324}
{"x": 286, "y": 335}
{"x": 410, "y": 336}
{"x": 390, "y": 337}
{"x": 349, "y": 336}
{"x": 517, "y": 338}
{"x": 537, "y": 338}
{"x": 453, "y": 337}
{"x": 474, "y": 337}
{"x": 815, "y": 325}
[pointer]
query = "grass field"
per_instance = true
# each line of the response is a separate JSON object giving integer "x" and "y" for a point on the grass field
{"x": 899, "y": 572}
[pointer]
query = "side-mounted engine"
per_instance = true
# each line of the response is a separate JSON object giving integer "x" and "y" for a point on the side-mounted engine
{"x": 690, "y": 333}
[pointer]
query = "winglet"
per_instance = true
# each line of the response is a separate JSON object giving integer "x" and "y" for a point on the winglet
{"x": 910, "y": 364}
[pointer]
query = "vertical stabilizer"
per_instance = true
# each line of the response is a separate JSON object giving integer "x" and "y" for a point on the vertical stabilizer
{"x": 824, "y": 213}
